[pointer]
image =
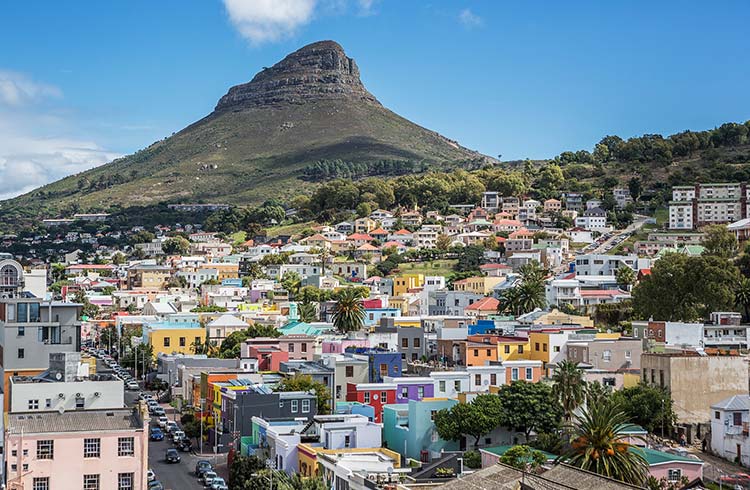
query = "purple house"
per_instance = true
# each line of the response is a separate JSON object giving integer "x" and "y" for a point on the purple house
{"x": 412, "y": 388}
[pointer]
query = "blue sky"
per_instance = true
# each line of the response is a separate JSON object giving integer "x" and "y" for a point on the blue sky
{"x": 82, "y": 82}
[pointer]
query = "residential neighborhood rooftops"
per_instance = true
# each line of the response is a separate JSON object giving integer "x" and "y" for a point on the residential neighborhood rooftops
{"x": 74, "y": 421}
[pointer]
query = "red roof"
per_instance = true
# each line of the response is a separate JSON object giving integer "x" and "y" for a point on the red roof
{"x": 487, "y": 303}
{"x": 392, "y": 243}
{"x": 600, "y": 292}
{"x": 508, "y": 222}
{"x": 403, "y": 231}
{"x": 645, "y": 272}
{"x": 359, "y": 236}
{"x": 378, "y": 231}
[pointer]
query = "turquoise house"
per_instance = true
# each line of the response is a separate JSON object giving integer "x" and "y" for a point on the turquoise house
{"x": 409, "y": 429}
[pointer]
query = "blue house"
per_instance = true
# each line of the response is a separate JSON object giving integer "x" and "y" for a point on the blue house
{"x": 409, "y": 429}
{"x": 355, "y": 408}
{"x": 373, "y": 315}
{"x": 380, "y": 362}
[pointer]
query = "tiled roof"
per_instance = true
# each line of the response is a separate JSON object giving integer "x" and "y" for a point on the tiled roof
{"x": 74, "y": 421}
{"x": 485, "y": 304}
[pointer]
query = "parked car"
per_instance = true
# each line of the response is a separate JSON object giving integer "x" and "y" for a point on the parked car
{"x": 163, "y": 421}
{"x": 177, "y": 436}
{"x": 158, "y": 412}
{"x": 218, "y": 483}
{"x": 132, "y": 385}
{"x": 171, "y": 426}
{"x": 185, "y": 445}
{"x": 172, "y": 456}
{"x": 151, "y": 475}
{"x": 157, "y": 434}
{"x": 155, "y": 485}
{"x": 202, "y": 466}
{"x": 208, "y": 478}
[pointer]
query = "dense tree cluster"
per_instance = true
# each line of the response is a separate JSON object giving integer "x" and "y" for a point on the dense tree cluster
{"x": 335, "y": 169}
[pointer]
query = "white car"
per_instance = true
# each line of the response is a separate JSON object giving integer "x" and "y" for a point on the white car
{"x": 171, "y": 426}
{"x": 163, "y": 421}
{"x": 209, "y": 477}
{"x": 132, "y": 385}
{"x": 178, "y": 435}
{"x": 151, "y": 475}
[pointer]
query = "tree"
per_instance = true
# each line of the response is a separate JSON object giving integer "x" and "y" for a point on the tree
{"x": 118, "y": 258}
{"x": 303, "y": 382}
{"x": 108, "y": 337}
{"x": 625, "y": 277}
{"x": 175, "y": 246}
{"x": 648, "y": 406}
{"x": 719, "y": 241}
{"x": 348, "y": 314}
{"x": 597, "y": 393}
{"x": 529, "y": 407}
{"x": 57, "y": 272}
{"x": 599, "y": 444}
{"x": 231, "y": 346}
{"x": 443, "y": 242}
{"x": 568, "y": 387}
{"x": 308, "y": 312}
{"x": 682, "y": 288}
{"x": 291, "y": 282}
{"x": 243, "y": 471}
{"x": 524, "y": 458}
{"x": 470, "y": 258}
{"x": 635, "y": 187}
{"x": 742, "y": 296}
{"x": 474, "y": 419}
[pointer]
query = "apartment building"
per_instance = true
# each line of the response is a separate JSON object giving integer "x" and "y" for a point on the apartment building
{"x": 92, "y": 449}
{"x": 703, "y": 204}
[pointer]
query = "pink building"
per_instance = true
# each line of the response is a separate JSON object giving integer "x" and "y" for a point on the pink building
{"x": 92, "y": 449}
{"x": 340, "y": 346}
{"x": 267, "y": 351}
{"x": 300, "y": 347}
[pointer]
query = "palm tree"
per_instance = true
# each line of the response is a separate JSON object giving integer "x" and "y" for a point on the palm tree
{"x": 569, "y": 387}
{"x": 348, "y": 315}
{"x": 742, "y": 296}
{"x": 308, "y": 312}
{"x": 599, "y": 444}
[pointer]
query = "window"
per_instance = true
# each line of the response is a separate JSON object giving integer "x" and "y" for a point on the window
{"x": 489, "y": 352}
{"x": 507, "y": 349}
{"x": 383, "y": 396}
{"x": 92, "y": 448}
{"x": 349, "y": 371}
{"x": 40, "y": 483}
{"x": 405, "y": 343}
{"x": 607, "y": 355}
{"x": 420, "y": 392}
{"x": 544, "y": 347}
{"x": 414, "y": 356}
{"x": 347, "y": 441}
{"x": 717, "y": 415}
{"x": 417, "y": 343}
{"x": 182, "y": 341}
{"x": 33, "y": 404}
{"x": 674, "y": 474}
{"x": 22, "y": 315}
{"x": 125, "y": 481}
{"x": 48, "y": 403}
{"x": 125, "y": 446}
{"x": 21, "y": 353}
{"x": 441, "y": 386}
{"x": 304, "y": 347}
{"x": 305, "y": 406}
{"x": 432, "y": 414}
{"x": 529, "y": 373}
{"x": 90, "y": 482}
{"x": 295, "y": 406}
{"x": 514, "y": 374}
{"x": 404, "y": 392}
{"x": 21, "y": 331}
{"x": 367, "y": 397}
{"x": 520, "y": 349}
{"x": 556, "y": 348}
{"x": 536, "y": 346}
{"x": 290, "y": 347}
{"x": 166, "y": 341}
{"x": 80, "y": 402}
{"x": 737, "y": 418}
{"x": 45, "y": 449}
{"x": 457, "y": 385}
{"x": 476, "y": 352}
{"x": 477, "y": 379}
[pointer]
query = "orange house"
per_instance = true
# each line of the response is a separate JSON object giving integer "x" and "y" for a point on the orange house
{"x": 481, "y": 349}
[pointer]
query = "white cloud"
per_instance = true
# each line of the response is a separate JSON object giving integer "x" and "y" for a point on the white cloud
{"x": 16, "y": 89}
{"x": 269, "y": 20}
{"x": 366, "y": 6}
{"x": 36, "y": 148}
{"x": 469, "y": 19}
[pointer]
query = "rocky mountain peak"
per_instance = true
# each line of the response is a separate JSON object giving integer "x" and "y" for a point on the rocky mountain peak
{"x": 318, "y": 71}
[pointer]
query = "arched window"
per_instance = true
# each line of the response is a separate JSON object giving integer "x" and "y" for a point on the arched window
{"x": 9, "y": 276}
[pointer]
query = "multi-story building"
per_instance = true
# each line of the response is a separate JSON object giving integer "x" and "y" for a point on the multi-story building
{"x": 91, "y": 449}
{"x": 171, "y": 337}
{"x": 622, "y": 197}
{"x": 593, "y": 219}
{"x": 30, "y": 330}
{"x": 703, "y": 204}
{"x": 604, "y": 265}
{"x": 148, "y": 276}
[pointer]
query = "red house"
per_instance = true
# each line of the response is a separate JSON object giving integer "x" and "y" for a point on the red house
{"x": 269, "y": 357}
{"x": 374, "y": 394}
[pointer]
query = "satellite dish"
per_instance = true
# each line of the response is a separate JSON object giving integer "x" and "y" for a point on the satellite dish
{"x": 58, "y": 376}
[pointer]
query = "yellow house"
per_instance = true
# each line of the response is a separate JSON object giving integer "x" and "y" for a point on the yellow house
{"x": 477, "y": 284}
{"x": 513, "y": 348}
{"x": 399, "y": 302}
{"x": 308, "y": 457}
{"x": 225, "y": 270}
{"x": 404, "y": 282}
{"x": 173, "y": 337}
{"x": 408, "y": 321}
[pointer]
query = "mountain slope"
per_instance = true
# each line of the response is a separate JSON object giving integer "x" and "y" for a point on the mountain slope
{"x": 310, "y": 106}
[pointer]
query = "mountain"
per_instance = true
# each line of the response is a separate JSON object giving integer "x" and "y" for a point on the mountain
{"x": 256, "y": 144}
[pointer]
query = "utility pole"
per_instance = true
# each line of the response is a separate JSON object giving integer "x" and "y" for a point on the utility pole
{"x": 200, "y": 443}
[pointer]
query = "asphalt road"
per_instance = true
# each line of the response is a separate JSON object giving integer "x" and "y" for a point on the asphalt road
{"x": 175, "y": 476}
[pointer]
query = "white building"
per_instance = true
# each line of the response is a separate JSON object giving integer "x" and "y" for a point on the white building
{"x": 730, "y": 429}
{"x": 704, "y": 204}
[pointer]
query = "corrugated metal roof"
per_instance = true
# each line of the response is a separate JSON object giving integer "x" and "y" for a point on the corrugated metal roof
{"x": 75, "y": 421}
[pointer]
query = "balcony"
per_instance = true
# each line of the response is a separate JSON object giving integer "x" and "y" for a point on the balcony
{"x": 724, "y": 340}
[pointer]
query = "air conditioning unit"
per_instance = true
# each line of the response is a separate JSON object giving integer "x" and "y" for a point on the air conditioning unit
{"x": 97, "y": 394}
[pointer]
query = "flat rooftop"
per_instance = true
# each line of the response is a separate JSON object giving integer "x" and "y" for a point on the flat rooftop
{"x": 73, "y": 421}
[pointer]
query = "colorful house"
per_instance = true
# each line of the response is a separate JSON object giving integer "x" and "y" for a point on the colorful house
{"x": 410, "y": 429}
{"x": 167, "y": 337}
{"x": 404, "y": 282}
{"x": 375, "y": 394}
{"x": 412, "y": 388}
